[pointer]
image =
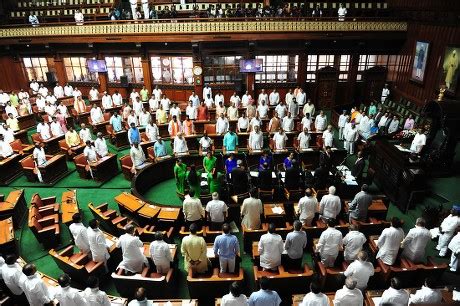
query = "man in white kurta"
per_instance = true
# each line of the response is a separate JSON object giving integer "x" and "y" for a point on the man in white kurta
{"x": 415, "y": 243}
{"x": 85, "y": 133}
{"x": 262, "y": 97}
{"x": 342, "y": 121}
{"x": 320, "y": 122}
{"x": 353, "y": 243}
{"x": 245, "y": 99}
{"x": 301, "y": 98}
{"x": 360, "y": 270}
{"x": 97, "y": 243}
{"x": 280, "y": 139}
{"x": 236, "y": 100}
{"x": 96, "y": 114}
{"x": 137, "y": 156}
{"x": 180, "y": 144}
{"x": 395, "y": 295}
{"x": 427, "y": 294}
{"x": 289, "y": 96}
{"x": 251, "y": 210}
{"x": 447, "y": 229}
{"x": 328, "y": 137}
{"x": 307, "y": 207}
{"x": 329, "y": 244}
{"x": 157, "y": 93}
{"x": 101, "y": 146}
{"x": 66, "y": 295}
{"x": 418, "y": 142}
{"x": 281, "y": 110}
{"x": 262, "y": 110}
{"x": 131, "y": 247}
{"x": 256, "y": 139}
{"x": 304, "y": 139}
{"x": 330, "y": 204}
{"x": 117, "y": 99}
{"x": 160, "y": 254}
{"x": 274, "y": 98}
{"x": 271, "y": 247}
{"x": 93, "y": 94}
{"x": 58, "y": 91}
{"x": 454, "y": 247}
{"x": 351, "y": 136}
{"x": 68, "y": 90}
{"x": 191, "y": 111}
{"x": 80, "y": 234}
{"x": 151, "y": 131}
{"x": 222, "y": 125}
{"x": 349, "y": 295}
{"x": 107, "y": 101}
{"x": 288, "y": 123}
{"x": 12, "y": 275}
{"x": 44, "y": 130}
{"x": 34, "y": 287}
{"x": 389, "y": 242}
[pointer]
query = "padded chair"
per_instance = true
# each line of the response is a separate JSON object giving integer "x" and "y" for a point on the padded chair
{"x": 44, "y": 203}
{"x": 126, "y": 164}
{"x": 251, "y": 235}
{"x": 36, "y": 137}
{"x": 147, "y": 233}
{"x": 199, "y": 285}
{"x": 151, "y": 153}
{"x": 401, "y": 269}
{"x": 46, "y": 230}
{"x": 373, "y": 227}
{"x": 210, "y": 129}
{"x": 20, "y": 148}
{"x": 160, "y": 286}
{"x": 78, "y": 265}
{"x": 80, "y": 164}
{"x": 28, "y": 166}
{"x": 70, "y": 152}
{"x": 108, "y": 218}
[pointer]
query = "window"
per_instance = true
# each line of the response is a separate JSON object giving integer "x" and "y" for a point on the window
{"x": 344, "y": 64}
{"x": 131, "y": 67}
{"x": 316, "y": 62}
{"x": 77, "y": 70}
{"x": 278, "y": 68}
{"x": 222, "y": 69}
{"x": 365, "y": 62}
{"x": 36, "y": 68}
{"x": 391, "y": 62}
{"x": 172, "y": 70}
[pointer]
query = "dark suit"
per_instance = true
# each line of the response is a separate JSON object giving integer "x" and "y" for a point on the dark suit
{"x": 240, "y": 180}
{"x": 265, "y": 179}
{"x": 325, "y": 160}
{"x": 321, "y": 178}
{"x": 358, "y": 168}
{"x": 292, "y": 179}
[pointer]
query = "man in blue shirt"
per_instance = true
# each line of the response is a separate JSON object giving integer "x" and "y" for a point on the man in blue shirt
{"x": 296, "y": 242}
{"x": 230, "y": 141}
{"x": 133, "y": 134}
{"x": 230, "y": 163}
{"x": 227, "y": 247}
{"x": 264, "y": 297}
{"x": 265, "y": 158}
{"x": 115, "y": 121}
{"x": 160, "y": 148}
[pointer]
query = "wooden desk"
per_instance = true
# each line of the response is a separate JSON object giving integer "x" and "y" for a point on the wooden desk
{"x": 377, "y": 209}
{"x": 175, "y": 302}
{"x": 22, "y": 135}
{"x": 111, "y": 241}
{"x": 129, "y": 202}
{"x": 172, "y": 250}
{"x": 372, "y": 297}
{"x": 169, "y": 214}
{"x": 7, "y": 241}
{"x": 10, "y": 169}
{"x": 83, "y": 118}
{"x": 69, "y": 206}
{"x": 100, "y": 128}
{"x": 26, "y": 121}
{"x": 148, "y": 211}
{"x": 54, "y": 169}
{"x": 105, "y": 168}
{"x": 120, "y": 139}
{"x": 298, "y": 298}
{"x": 373, "y": 244}
{"x": 14, "y": 206}
{"x": 52, "y": 145}
{"x": 274, "y": 213}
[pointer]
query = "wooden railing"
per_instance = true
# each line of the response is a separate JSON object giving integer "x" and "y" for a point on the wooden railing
{"x": 205, "y": 26}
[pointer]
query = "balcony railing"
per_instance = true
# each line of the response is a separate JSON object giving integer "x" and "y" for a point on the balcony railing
{"x": 192, "y": 26}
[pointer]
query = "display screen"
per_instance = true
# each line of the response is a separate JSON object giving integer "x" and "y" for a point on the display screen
{"x": 251, "y": 65}
{"x": 97, "y": 66}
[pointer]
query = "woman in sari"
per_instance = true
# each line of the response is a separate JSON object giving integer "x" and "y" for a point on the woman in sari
{"x": 180, "y": 171}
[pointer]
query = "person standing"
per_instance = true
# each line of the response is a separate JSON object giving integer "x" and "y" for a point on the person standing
{"x": 342, "y": 121}
{"x": 349, "y": 294}
{"x": 307, "y": 207}
{"x": 80, "y": 234}
{"x": 295, "y": 243}
{"x": 353, "y": 243}
{"x": 194, "y": 249}
{"x": 160, "y": 254}
{"x": 447, "y": 230}
{"x": 395, "y": 295}
{"x": 329, "y": 244}
{"x": 226, "y": 247}
{"x": 180, "y": 171}
{"x": 415, "y": 243}
{"x": 360, "y": 205}
{"x": 36, "y": 291}
{"x": 66, "y": 295}
{"x": 360, "y": 270}
{"x": 389, "y": 242}
{"x": 315, "y": 297}
{"x": 192, "y": 209}
{"x": 330, "y": 205}
{"x": 216, "y": 211}
{"x": 93, "y": 295}
{"x": 235, "y": 297}
{"x": 133, "y": 258}
{"x": 97, "y": 243}
{"x": 251, "y": 210}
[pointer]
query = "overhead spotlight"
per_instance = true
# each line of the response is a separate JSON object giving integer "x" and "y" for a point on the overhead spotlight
{"x": 138, "y": 45}
{"x": 90, "y": 45}
{"x": 27, "y": 46}
{"x": 166, "y": 43}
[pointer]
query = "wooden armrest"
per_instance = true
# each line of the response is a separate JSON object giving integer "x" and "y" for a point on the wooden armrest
{"x": 110, "y": 214}
{"x": 49, "y": 200}
{"x": 92, "y": 266}
{"x": 119, "y": 220}
{"x": 103, "y": 206}
{"x": 67, "y": 252}
{"x": 48, "y": 210}
{"x": 48, "y": 221}
{"x": 54, "y": 229}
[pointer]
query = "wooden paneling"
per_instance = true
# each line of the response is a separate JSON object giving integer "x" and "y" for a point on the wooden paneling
{"x": 13, "y": 77}
{"x": 439, "y": 37}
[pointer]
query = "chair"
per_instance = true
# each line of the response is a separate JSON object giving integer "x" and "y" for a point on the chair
{"x": 126, "y": 164}
{"x": 293, "y": 195}
{"x": 160, "y": 286}
{"x": 36, "y": 138}
{"x": 151, "y": 153}
{"x": 199, "y": 285}
{"x": 266, "y": 195}
{"x": 28, "y": 167}
{"x": 46, "y": 230}
{"x": 78, "y": 265}
{"x": 70, "y": 152}
{"x": 251, "y": 235}
{"x": 44, "y": 203}
{"x": 81, "y": 164}
{"x": 108, "y": 218}
{"x": 210, "y": 129}
{"x": 20, "y": 148}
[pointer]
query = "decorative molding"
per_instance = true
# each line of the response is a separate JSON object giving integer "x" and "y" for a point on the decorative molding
{"x": 207, "y": 27}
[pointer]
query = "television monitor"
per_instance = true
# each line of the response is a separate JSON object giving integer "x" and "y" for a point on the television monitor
{"x": 251, "y": 65}
{"x": 97, "y": 66}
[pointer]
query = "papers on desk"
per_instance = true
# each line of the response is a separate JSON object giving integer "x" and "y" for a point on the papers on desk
{"x": 204, "y": 175}
{"x": 349, "y": 179}
{"x": 342, "y": 168}
{"x": 402, "y": 149}
{"x": 203, "y": 183}
{"x": 277, "y": 210}
{"x": 456, "y": 295}
{"x": 283, "y": 174}
{"x": 117, "y": 302}
{"x": 376, "y": 300}
{"x": 306, "y": 150}
{"x": 256, "y": 174}
{"x": 109, "y": 243}
{"x": 210, "y": 253}
{"x": 229, "y": 152}
{"x": 435, "y": 232}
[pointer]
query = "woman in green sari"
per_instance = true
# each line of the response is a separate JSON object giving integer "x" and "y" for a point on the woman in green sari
{"x": 194, "y": 180}
{"x": 209, "y": 162}
{"x": 215, "y": 181}
{"x": 180, "y": 171}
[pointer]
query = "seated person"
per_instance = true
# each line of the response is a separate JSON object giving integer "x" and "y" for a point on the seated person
{"x": 216, "y": 211}
{"x": 329, "y": 244}
{"x": 240, "y": 178}
{"x": 330, "y": 205}
{"x": 270, "y": 249}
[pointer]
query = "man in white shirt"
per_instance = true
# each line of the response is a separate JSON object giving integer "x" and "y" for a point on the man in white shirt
{"x": 208, "y": 101}
{"x": 160, "y": 254}
{"x": 309, "y": 108}
{"x": 418, "y": 142}
{"x": 341, "y": 124}
{"x": 66, "y": 295}
{"x": 353, "y": 243}
{"x": 216, "y": 211}
{"x": 133, "y": 258}
{"x": 93, "y": 295}
{"x": 232, "y": 112}
{"x": 270, "y": 249}
{"x": 447, "y": 229}
{"x": 351, "y": 136}
{"x": 301, "y": 98}
{"x": 43, "y": 90}
{"x": 40, "y": 102}
{"x": 328, "y": 137}
{"x": 389, "y": 242}
{"x": 117, "y": 98}
{"x": 235, "y": 297}
{"x": 144, "y": 118}
{"x": 281, "y": 110}
{"x": 236, "y": 100}
{"x": 85, "y": 133}
{"x": 280, "y": 139}
{"x": 454, "y": 247}
{"x": 151, "y": 131}
{"x": 329, "y": 244}
{"x": 246, "y": 99}
{"x": 288, "y": 123}
{"x": 68, "y": 90}
{"x": 101, "y": 146}
{"x": 349, "y": 294}
{"x": 342, "y": 12}
{"x": 44, "y": 130}
{"x": 76, "y": 93}
{"x": 191, "y": 111}
{"x": 93, "y": 94}
{"x": 7, "y": 132}
{"x": 304, "y": 139}
{"x": 274, "y": 97}
{"x": 5, "y": 148}
{"x": 96, "y": 114}
{"x": 97, "y": 243}
{"x": 137, "y": 157}
{"x": 330, "y": 205}
{"x": 222, "y": 125}
{"x": 157, "y": 93}
{"x": 243, "y": 123}
{"x": 256, "y": 139}
{"x": 192, "y": 209}
{"x": 79, "y": 17}
{"x": 12, "y": 275}
{"x": 106, "y": 101}
{"x": 251, "y": 210}
{"x": 395, "y": 295}
{"x": 385, "y": 93}
{"x": 255, "y": 121}
{"x": 320, "y": 122}
{"x": 90, "y": 154}
{"x": 58, "y": 91}
{"x": 262, "y": 110}
{"x": 180, "y": 144}
{"x": 80, "y": 234}
{"x": 207, "y": 91}
{"x": 394, "y": 125}
{"x": 34, "y": 86}
{"x": 9, "y": 109}
{"x": 315, "y": 297}
{"x": 220, "y": 109}
{"x": 415, "y": 243}
{"x": 34, "y": 287}
{"x": 360, "y": 270}
{"x": 175, "y": 111}
{"x": 194, "y": 98}
{"x": 219, "y": 98}
{"x": 289, "y": 96}
{"x": 427, "y": 294}
{"x": 307, "y": 207}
